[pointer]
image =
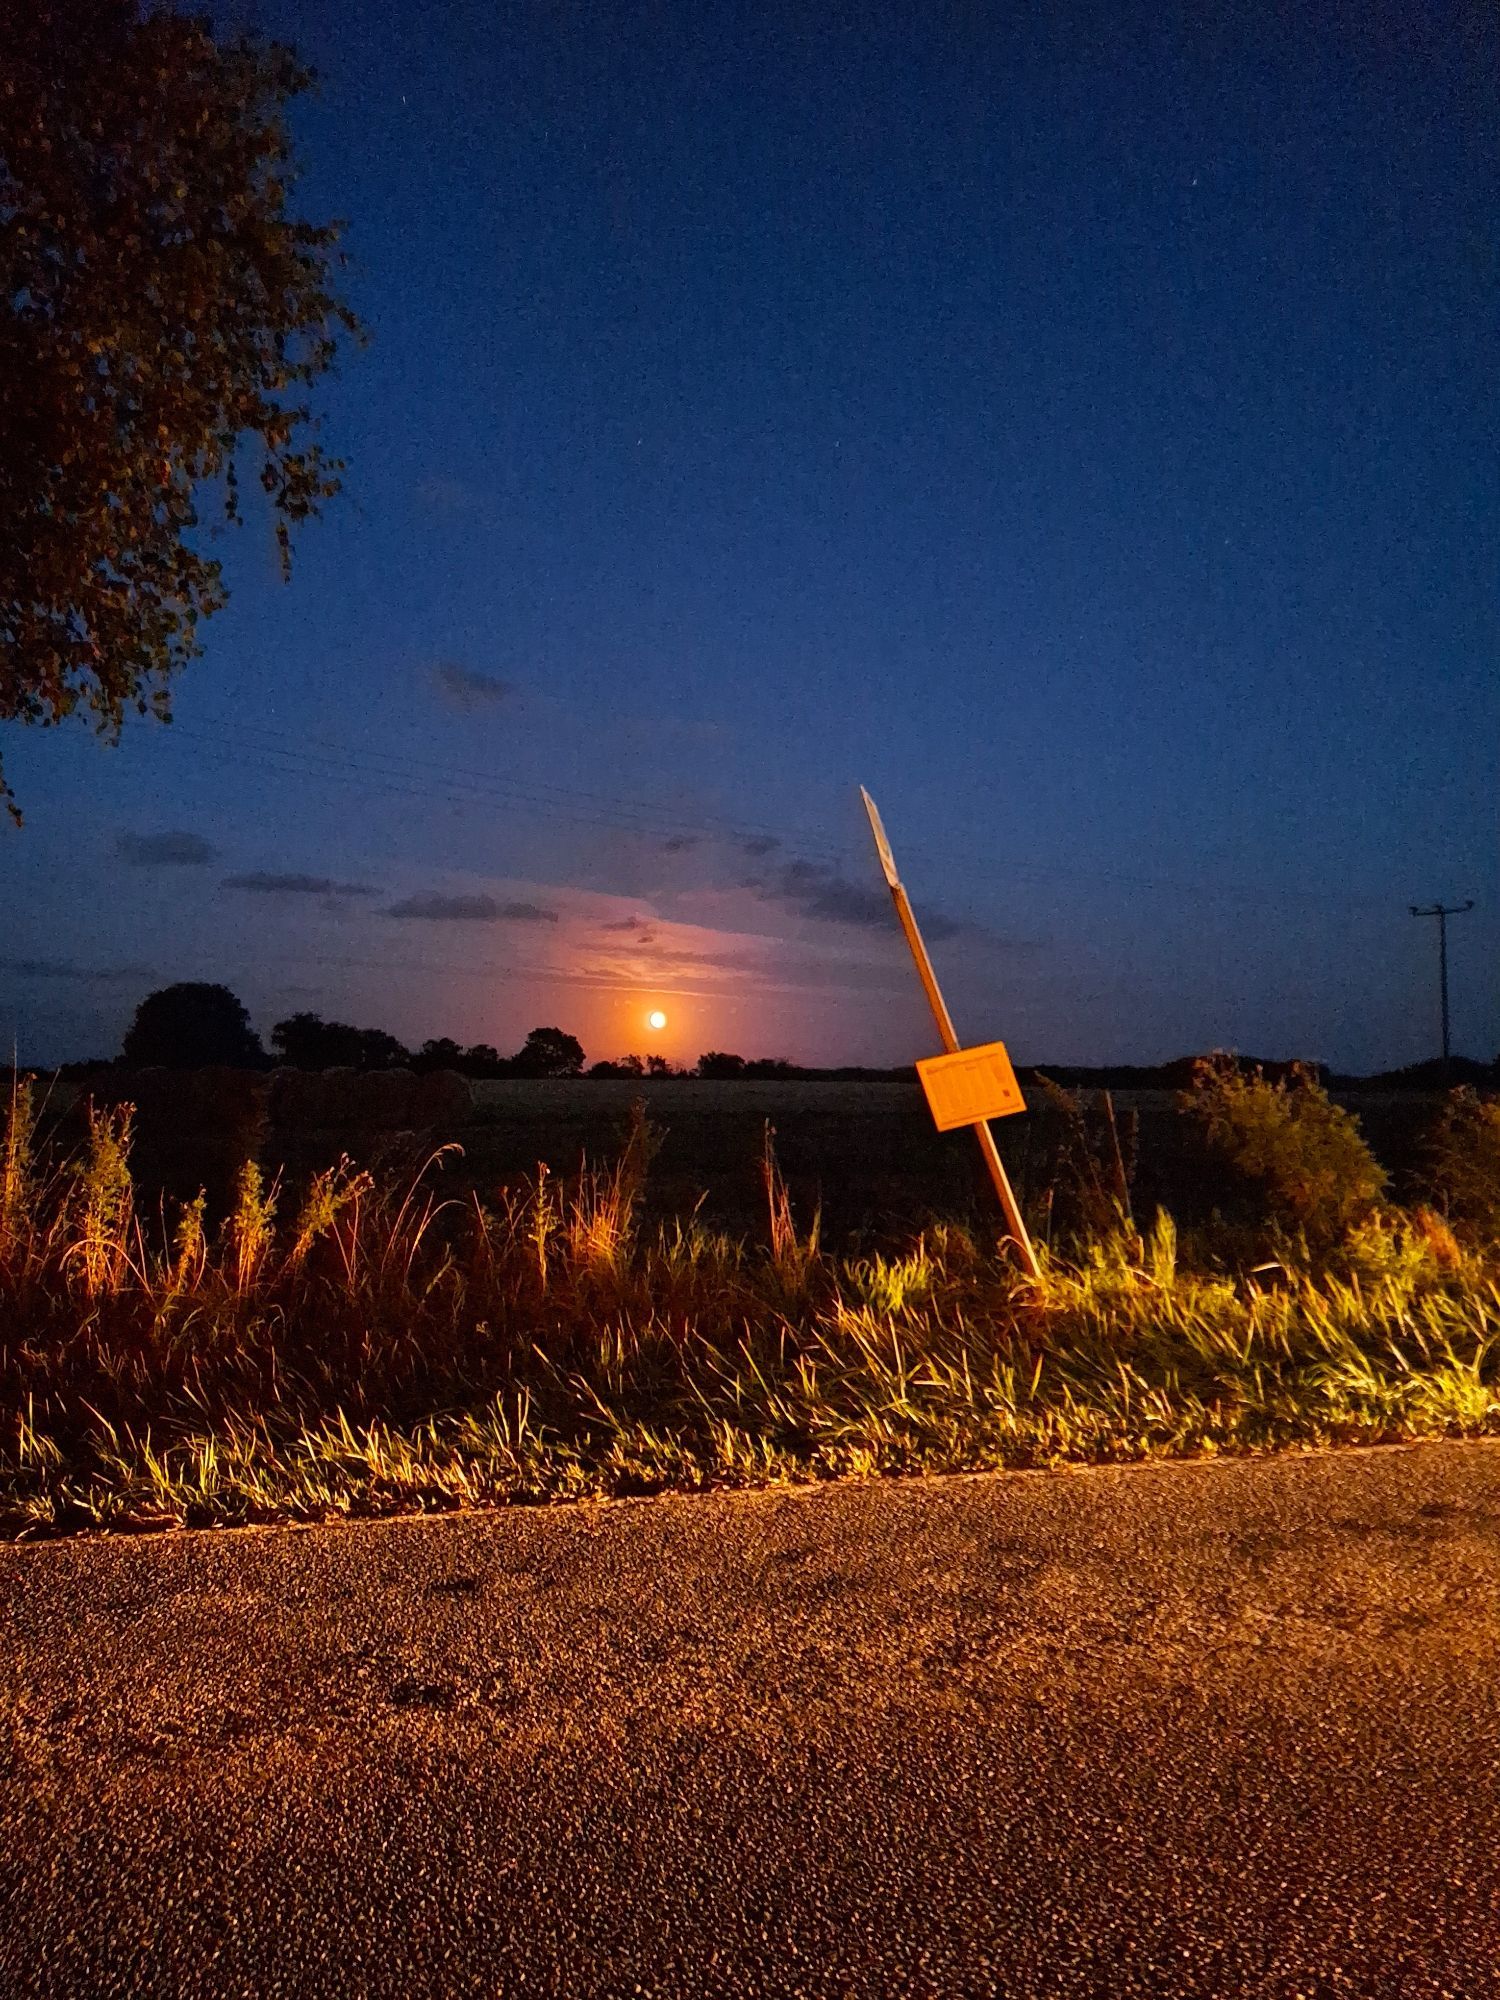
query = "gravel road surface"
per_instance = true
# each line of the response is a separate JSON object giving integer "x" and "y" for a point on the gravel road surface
{"x": 1197, "y": 1729}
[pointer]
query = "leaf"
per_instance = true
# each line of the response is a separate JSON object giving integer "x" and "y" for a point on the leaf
{"x": 157, "y": 299}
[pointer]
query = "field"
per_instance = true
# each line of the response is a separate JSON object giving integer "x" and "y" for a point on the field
{"x": 865, "y": 1153}
{"x": 865, "y": 1156}
{"x": 592, "y": 1300}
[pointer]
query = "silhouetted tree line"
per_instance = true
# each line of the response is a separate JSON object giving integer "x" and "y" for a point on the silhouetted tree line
{"x": 196, "y": 1025}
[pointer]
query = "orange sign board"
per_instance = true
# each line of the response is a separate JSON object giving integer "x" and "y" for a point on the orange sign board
{"x": 971, "y": 1085}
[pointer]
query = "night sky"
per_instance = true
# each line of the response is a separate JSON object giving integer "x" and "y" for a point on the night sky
{"x": 1078, "y": 425}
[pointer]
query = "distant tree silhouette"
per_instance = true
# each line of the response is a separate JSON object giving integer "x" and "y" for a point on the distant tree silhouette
{"x": 438, "y": 1053}
{"x": 193, "y": 1025}
{"x": 549, "y": 1052}
{"x": 622, "y": 1066}
{"x": 659, "y": 1066}
{"x": 719, "y": 1066}
{"x": 772, "y": 1066}
{"x": 307, "y": 1041}
{"x": 483, "y": 1059}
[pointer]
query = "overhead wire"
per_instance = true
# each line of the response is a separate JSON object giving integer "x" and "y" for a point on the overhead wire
{"x": 402, "y": 775}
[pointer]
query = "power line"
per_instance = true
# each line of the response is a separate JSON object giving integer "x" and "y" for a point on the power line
{"x": 457, "y": 787}
{"x": 460, "y": 787}
{"x": 564, "y": 801}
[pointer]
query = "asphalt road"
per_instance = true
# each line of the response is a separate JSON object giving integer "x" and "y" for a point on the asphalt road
{"x": 1172, "y": 1730}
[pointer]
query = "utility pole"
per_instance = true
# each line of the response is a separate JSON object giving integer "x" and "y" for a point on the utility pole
{"x": 1442, "y": 911}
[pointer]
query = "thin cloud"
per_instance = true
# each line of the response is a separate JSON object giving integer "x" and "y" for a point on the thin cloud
{"x": 469, "y": 910}
{"x": 53, "y": 968}
{"x": 758, "y": 845}
{"x": 297, "y": 885}
{"x": 680, "y": 843}
{"x": 815, "y": 890}
{"x": 467, "y": 688}
{"x": 634, "y": 926}
{"x": 165, "y": 850}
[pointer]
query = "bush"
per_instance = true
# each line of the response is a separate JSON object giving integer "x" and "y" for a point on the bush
{"x": 1463, "y": 1162}
{"x": 1281, "y": 1157}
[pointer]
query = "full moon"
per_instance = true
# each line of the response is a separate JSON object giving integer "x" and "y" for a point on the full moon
{"x": 656, "y": 1020}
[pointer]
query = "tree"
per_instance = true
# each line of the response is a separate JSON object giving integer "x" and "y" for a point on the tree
{"x": 622, "y": 1066}
{"x": 375, "y": 1049}
{"x": 162, "y": 314}
{"x": 307, "y": 1041}
{"x": 483, "y": 1059}
{"x": 719, "y": 1066}
{"x": 659, "y": 1066}
{"x": 549, "y": 1052}
{"x": 193, "y": 1025}
{"x": 440, "y": 1052}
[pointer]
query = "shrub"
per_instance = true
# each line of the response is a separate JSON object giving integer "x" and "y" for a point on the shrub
{"x": 1281, "y": 1157}
{"x": 1463, "y": 1162}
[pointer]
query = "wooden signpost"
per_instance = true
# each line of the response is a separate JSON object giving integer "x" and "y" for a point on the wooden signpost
{"x": 965, "y": 1086}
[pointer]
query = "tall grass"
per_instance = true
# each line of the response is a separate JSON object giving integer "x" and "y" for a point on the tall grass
{"x": 366, "y": 1346}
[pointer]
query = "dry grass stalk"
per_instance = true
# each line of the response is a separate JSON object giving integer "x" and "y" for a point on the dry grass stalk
{"x": 382, "y": 1346}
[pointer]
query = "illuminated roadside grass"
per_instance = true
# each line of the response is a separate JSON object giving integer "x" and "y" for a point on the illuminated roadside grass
{"x": 379, "y": 1350}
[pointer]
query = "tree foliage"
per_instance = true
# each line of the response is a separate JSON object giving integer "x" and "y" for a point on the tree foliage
{"x": 720, "y": 1066}
{"x": 307, "y": 1041}
{"x": 163, "y": 314}
{"x": 438, "y": 1052}
{"x": 549, "y": 1052}
{"x": 193, "y": 1025}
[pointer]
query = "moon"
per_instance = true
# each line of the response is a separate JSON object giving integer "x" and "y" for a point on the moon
{"x": 656, "y": 1019}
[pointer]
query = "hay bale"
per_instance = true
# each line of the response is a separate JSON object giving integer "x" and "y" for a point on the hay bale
{"x": 290, "y": 1097}
{"x": 183, "y": 1102}
{"x": 442, "y": 1102}
{"x": 342, "y": 1100}
{"x": 192, "y": 1128}
{"x": 386, "y": 1100}
{"x": 336, "y": 1099}
{"x": 229, "y": 1100}
{"x": 405, "y": 1099}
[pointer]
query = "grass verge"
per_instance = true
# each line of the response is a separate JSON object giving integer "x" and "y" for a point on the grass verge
{"x": 372, "y": 1350}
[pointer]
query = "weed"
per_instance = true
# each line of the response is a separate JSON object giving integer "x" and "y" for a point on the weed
{"x": 382, "y": 1347}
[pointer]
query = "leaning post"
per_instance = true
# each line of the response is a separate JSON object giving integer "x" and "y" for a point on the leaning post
{"x": 981, "y": 1084}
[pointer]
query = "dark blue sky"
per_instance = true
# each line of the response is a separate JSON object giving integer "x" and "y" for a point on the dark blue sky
{"x": 1080, "y": 428}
